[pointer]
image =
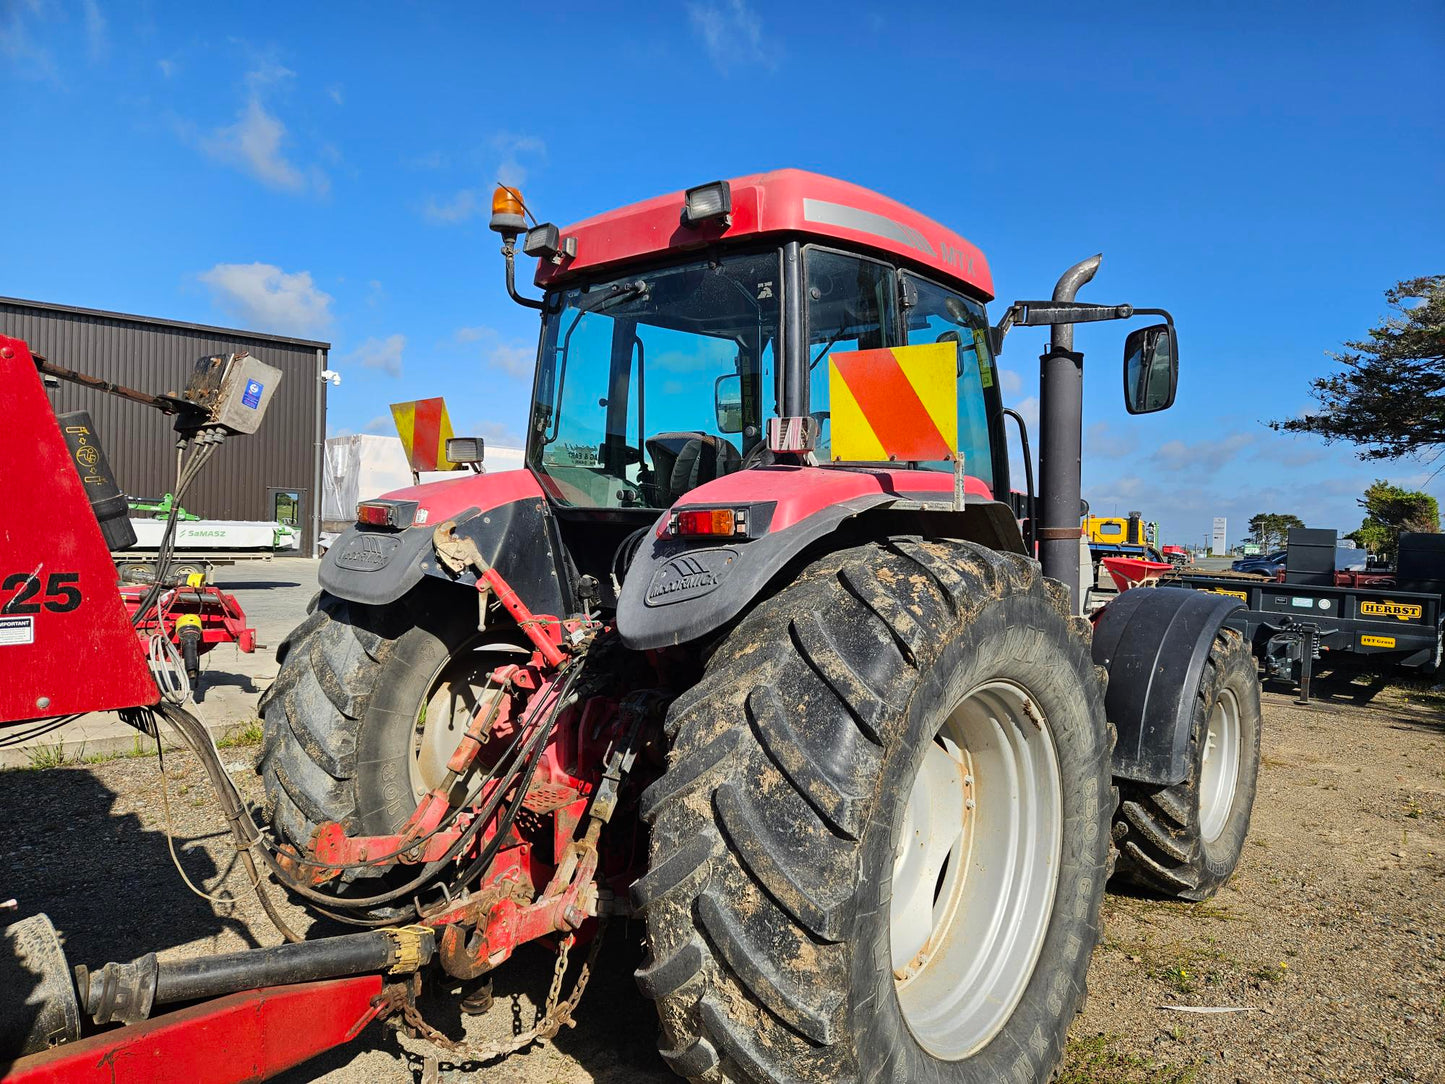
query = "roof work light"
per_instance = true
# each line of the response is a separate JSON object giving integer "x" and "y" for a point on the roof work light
{"x": 708, "y": 203}
{"x": 508, "y": 211}
{"x": 545, "y": 242}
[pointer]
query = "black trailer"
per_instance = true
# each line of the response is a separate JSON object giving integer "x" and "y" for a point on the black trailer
{"x": 1309, "y": 617}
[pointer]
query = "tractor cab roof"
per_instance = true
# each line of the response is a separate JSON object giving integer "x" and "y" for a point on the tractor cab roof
{"x": 784, "y": 201}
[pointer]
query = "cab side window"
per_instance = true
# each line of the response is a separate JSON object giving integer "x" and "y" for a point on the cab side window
{"x": 933, "y": 315}
{"x": 852, "y": 305}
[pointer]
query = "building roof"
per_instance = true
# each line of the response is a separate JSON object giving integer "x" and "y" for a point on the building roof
{"x": 130, "y": 318}
{"x": 783, "y": 201}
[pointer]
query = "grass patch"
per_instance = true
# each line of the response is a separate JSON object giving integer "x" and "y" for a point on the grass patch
{"x": 1144, "y": 906}
{"x": 1183, "y": 968}
{"x": 1271, "y": 972}
{"x": 44, "y": 756}
{"x": 1095, "y": 1060}
{"x": 1417, "y": 692}
{"x": 246, "y": 734}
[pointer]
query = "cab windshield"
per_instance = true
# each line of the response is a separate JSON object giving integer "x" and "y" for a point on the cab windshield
{"x": 654, "y": 382}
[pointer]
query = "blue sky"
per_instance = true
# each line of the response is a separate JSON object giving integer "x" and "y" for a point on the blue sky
{"x": 1265, "y": 171}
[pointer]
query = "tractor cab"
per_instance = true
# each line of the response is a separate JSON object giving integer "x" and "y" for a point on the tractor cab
{"x": 672, "y": 330}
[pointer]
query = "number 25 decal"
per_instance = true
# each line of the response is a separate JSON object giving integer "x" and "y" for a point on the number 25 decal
{"x": 61, "y": 594}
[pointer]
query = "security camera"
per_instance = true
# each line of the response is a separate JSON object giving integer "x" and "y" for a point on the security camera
{"x": 332, "y": 377}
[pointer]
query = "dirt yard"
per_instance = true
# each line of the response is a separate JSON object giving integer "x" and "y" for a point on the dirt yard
{"x": 1330, "y": 935}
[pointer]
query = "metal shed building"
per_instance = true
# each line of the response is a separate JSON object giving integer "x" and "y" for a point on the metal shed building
{"x": 250, "y": 477}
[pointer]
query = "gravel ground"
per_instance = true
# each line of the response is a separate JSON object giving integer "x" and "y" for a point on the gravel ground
{"x": 1330, "y": 933}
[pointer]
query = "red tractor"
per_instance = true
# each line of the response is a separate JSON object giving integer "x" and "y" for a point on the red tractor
{"x": 763, "y": 649}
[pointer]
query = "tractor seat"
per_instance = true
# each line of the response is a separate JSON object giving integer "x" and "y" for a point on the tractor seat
{"x": 684, "y": 461}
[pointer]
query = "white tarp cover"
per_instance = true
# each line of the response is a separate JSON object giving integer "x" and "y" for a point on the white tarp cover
{"x": 364, "y": 465}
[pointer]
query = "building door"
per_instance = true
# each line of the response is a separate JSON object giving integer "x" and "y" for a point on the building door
{"x": 287, "y": 507}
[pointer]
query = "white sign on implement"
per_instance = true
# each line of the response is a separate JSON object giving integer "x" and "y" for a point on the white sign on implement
{"x": 1218, "y": 545}
{"x": 16, "y": 630}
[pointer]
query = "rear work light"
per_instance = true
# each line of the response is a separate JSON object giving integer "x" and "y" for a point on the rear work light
{"x": 708, "y": 203}
{"x": 546, "y": 242}
{"x": 469, "y": 450}
{"x": 398, "y": 514}
{"x": 708, "y": 523}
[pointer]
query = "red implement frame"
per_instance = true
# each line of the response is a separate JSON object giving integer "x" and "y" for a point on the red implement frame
{"x": 241, "y": 1037}
{"x": 65, "y": 643}
{"x": 222, "y": 619}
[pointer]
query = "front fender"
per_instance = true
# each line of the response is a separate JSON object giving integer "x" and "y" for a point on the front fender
{"x": 1154, "y": 642}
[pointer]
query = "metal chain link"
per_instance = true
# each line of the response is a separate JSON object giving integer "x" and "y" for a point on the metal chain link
{"x": 556, "y": 1015}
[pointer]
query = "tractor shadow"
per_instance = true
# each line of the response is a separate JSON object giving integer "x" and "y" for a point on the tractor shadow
{"x": 614, "y": 1041}
{"x": 104, "y": 879}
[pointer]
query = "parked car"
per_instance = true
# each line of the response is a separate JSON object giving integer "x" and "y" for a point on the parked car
{"x": 1265, "y": 565}
{"x": 1347, "y": 559}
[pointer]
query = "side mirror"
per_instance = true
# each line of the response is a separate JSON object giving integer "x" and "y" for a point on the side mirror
{"x": 728, "y": 403}
{"x": 1151, "y": 369}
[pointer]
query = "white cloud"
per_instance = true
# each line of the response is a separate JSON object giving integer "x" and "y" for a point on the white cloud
{"x": 256, "y": 142}
{"x": 253, "y": 145}
{"x": 513, "y": 357}
{"x": 383, "y": 354}
{"x": 1102, "y": 442}
{"x": 465, "y": 204}
{"x": 168, "y": 67}
{"x": 1202, "y": 457}
{"x": 497, "y": 434}
{"x": 1029, "y": 408}
{"x": 25, "y": 57}
{"x": 733, "y": 34}
{"x": 95, "y": 36}
{"x": 264, "y": 298}
{"x": 512, "y": 146}
{"x": 1009, "y": 382}
{"x": 337, "y": 93}
{"x": 509, "y": 149}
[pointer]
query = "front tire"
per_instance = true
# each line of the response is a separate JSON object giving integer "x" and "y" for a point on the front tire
{"x": 814, "y": 911}
{"x": 1185, "y": 840}
{"x": 365, "y": 711}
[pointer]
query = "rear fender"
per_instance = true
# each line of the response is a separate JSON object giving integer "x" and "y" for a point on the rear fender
{"x": 507, "y": 517}
{"x": 1154, "y": 642}
{"x": 677, "y": 590}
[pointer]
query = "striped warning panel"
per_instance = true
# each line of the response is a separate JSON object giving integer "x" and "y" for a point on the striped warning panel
{"x": 424, "y": 429}
{"x": 899, "y": 404}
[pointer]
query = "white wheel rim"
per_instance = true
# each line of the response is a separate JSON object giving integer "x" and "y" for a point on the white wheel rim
{"x": 1219, "y": 772}
{"x": 975, "y": 870}
{"x": 459, "y": 685}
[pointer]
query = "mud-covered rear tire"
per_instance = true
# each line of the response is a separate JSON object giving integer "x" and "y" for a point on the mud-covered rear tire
{"x": 1185, "y": 840}
{"x": 777, "y": 826}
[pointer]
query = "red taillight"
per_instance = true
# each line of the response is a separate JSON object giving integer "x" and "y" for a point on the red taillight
{"x": 387, "y": 513}
{"x": 697, "y": 522}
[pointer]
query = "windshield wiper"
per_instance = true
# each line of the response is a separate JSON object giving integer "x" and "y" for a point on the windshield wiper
{"x": 597, "y": 300}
